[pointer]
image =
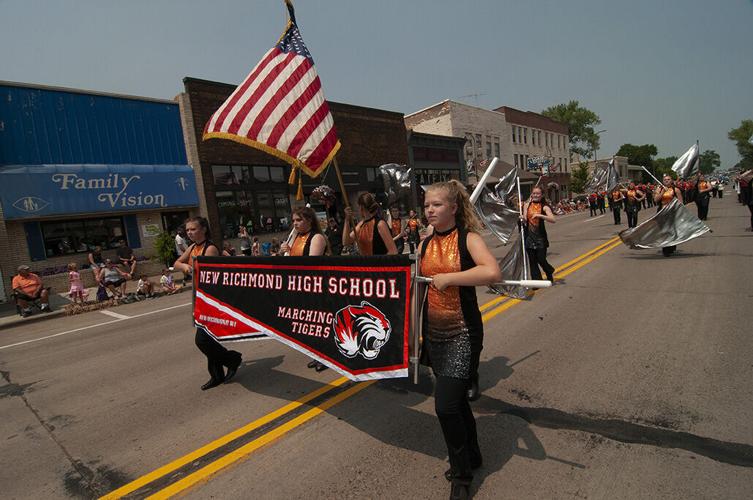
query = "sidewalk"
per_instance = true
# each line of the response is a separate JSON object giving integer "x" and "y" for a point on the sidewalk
{"x": 9, "y": 317}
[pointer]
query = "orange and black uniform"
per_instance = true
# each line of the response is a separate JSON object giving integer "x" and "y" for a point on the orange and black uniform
{"x": 616, "y": 205}
{"x": 301, "y": 245}
{"x": 537, "y": 242}
{"x": 453, "y": 339}
{"x": 413, "y": 226}
{"x": 702, "y": 200}
{"x": 666, "y": 197}
{"x": 217, "y": 355}
{"x": 368, "y": 238}
{"x": 396, "y": 228}
{"x": 632, "y": 206}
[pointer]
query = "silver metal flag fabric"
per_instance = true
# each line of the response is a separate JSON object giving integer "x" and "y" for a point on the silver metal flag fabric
{"x": 687, "y": 165}
{"x": 613, "y": 177}
{"x": 498, "y": 210}
{"x": 598, "y": 179}
{"x": 397, "y": 185}
{"x": 513, "y": 267}
{"x": 672, "y": 225}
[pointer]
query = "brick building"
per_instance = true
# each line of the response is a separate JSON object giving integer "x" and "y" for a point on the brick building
{"x": 241, "y": 185}
{"x": 80, "y": 169}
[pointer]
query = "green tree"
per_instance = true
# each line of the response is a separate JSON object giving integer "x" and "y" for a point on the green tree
{"x": 742, "y": 136}
{"x": 663, "y": 166}
{"x": 709, "y": 160}
{"x": 639, "y": 155}
{"x": 579, "y": 178}
{"x": 580, "y": 122}
{"x": 164, "y": 245}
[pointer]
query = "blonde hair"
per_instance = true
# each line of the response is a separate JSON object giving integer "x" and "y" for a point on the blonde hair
{"x": 72, "y": 266}
{"x": 456, "y": 193}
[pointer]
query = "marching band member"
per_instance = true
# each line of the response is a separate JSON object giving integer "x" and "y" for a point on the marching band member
{"x": 703, "y": 197}
{"x": 217, "y": 356}
{"x": 616, "y": 204}
{"x": 413, "y": 227}
{"x": 633, "y": 199}
{"x": 537, "y": 214}
{"x": 308, "y": 241}
{"x": 396, "y": 229}
{"x": 662, "y": 196}
{"x": 372, "y": 235}
{"x": 458, "y": 260}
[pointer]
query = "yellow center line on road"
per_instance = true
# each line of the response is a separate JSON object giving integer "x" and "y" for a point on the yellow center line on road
{"x": 212, "y": 468}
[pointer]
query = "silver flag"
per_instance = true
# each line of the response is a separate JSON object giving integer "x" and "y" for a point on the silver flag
{"x": 598, "y": 180}
{"x": 498, "y": 210}
{"x": 397, "y": 184}
{"x": 672, "y": 225}
{"x": 513, "y": 267}
{"x": 613, "y": 177}
{"x": 687, "y": 165}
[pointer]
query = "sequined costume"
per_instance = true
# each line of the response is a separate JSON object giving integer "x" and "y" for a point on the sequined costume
{"x": 666, "y": 197}
{"x": 301, "y": 244}
{"x": 537, "y": 242}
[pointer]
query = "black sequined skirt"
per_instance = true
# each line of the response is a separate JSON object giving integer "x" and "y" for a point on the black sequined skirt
{"x": 451, "y": 358}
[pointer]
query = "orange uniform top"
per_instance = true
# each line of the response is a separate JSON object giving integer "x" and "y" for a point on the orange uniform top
{"x": 667, "y": 196}
{"x": 397, "y": 227}
{"x": 299, "y": 244}
{"x": 365, "y": 237}
{"x": 533, "y": 209}
{"x": 442, "y": 255}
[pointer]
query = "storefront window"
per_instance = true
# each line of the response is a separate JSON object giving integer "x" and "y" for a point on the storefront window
{"x": 71, "y": 237}
{"x": 261, "y": 174}
{"x": 277, "y": 174}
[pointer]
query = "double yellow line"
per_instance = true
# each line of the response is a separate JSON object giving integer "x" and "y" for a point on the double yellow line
{"x": 199, "y": 465}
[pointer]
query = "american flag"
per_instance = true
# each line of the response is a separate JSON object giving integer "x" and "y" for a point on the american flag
{"x": 280, "y": 107}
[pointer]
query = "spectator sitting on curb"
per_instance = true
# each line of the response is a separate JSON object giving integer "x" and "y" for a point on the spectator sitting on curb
{"x": 28, "y": 288}
{"x": 166, "y": 282}
{"x": 114, "y": 279}
{"x": 127, "y": 259}
{"x": 144, "y": 287}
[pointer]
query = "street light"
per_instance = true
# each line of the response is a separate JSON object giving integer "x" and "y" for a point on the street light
{"x": 596, "y": 155}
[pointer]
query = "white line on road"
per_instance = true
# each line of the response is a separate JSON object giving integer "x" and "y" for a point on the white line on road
{"x": 594, "y": 218}
{"x": 115, "y": 315}
{"x": 93, "y": 326}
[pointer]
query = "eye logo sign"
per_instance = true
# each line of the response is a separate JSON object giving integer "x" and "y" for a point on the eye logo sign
{"x": 361, "y": 330}
{"x": 30, "y": 204}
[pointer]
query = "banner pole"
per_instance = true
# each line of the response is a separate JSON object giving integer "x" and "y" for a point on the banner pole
{"x": 522, "y": 231}
{"x": 340, "y": 181}
{"x": 415, "y": 319}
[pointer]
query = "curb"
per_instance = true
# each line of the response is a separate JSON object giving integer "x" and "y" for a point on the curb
{"x": 16, "y": 320}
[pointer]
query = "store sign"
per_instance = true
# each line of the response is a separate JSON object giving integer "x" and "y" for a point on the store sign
{"x": 151, "y": 230}
{"x": 71, "y": 189}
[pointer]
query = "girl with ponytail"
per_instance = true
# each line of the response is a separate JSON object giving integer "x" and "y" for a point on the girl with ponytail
{"x": 372, "y": 234}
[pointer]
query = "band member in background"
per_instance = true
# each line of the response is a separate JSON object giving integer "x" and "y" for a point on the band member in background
{"x": 396, "y": 229}
{"x": 615, "y": 203}
{"x": 662, "y": 196}
{"x": 537, "y": 213}
{"x": 413, "y": 227}
{"x": 600, "y": 197}
{"x": 457, "y": 259}
{"x": 372, "y": 234}
{"x": 592, "y": 204}
{"x": 217, "y": 356}
{"x": 633, "y": 199}
{"x": 308, "y": 241}
{"x": 702, "y": 197}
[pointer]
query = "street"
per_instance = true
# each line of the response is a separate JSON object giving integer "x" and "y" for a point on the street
{"x": 630, "y": 378}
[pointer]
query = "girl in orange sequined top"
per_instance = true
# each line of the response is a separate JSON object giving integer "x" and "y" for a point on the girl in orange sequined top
{"x": 372, "y": 235}
{"x": 702, "y": 196}
{"x": 458, "y": 260}
{"x": 662, "y": 196}
{"x": 537, "y": 214}
{"x": 217, "y": 356}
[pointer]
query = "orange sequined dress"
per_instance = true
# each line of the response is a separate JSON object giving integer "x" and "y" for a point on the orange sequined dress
{"x": 453, "y": 329}
{"x": 301, "y": 245}
{"x": 536, "y": 236}
{"x": 667, "y": 196}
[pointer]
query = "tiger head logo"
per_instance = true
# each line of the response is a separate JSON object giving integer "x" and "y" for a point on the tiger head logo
{"x": 361, "y": 330}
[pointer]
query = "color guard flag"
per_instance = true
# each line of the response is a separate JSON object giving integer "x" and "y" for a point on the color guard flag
{"x": 280, "y": 107}
{"x": 687, "y": 165}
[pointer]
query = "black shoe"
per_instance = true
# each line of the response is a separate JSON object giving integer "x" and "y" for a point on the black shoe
{"x": 232, "y": 369}
{"x": 320, "y": 367}
{"x": 550, "y": 277}
{"x": 312, "y": 364}
{"x": 459, "y": 491}
{"x": 212, "y": 383}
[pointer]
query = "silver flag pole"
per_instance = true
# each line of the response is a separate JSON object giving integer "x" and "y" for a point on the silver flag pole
{"x": 522, "y": 232}
{"x": 416, "y": 317}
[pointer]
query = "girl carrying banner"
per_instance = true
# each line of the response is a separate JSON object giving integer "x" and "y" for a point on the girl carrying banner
{"x": 372, "y": 234}
{"x": 308, "y": 241}
{"x": 662, "y": 196}
{"x": 457, "y": 259}
{"x": 217, "y": 356}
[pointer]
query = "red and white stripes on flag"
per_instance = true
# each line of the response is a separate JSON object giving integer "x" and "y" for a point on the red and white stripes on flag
{"x": 280, "y": 108}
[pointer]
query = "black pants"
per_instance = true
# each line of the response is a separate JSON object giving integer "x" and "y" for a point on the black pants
{"x": 703, "y": 208}
{"x": 593, "y": 210}
{"x": 616, "y": 213}
{"x": 458, "y": 427}
{"x": 400, "y": 244}
{"x": 601, "y": 207}
{"x": 632, "y": 217}
{"x": 667, "y": 251}
{"x": 537, "y": 257}
{"x": 750, "y": 207}
{"x": 412, "y": 244}
{"x": 217, "y": 355}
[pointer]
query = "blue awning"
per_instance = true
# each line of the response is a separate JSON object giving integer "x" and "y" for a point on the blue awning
{"x": 32, "y": 191}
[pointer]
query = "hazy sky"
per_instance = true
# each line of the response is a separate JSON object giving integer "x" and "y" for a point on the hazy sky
{"x": 665, "y": 72}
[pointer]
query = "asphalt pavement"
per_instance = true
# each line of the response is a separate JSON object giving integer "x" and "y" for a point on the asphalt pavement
{"x": 628, "y": 379}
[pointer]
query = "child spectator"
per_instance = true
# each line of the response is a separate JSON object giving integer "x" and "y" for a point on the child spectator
{"x": 144, "y": 287}
{"x": 255, "y": 248}
{"x": 166, "y": 281}
{"x": 77, "y": 290}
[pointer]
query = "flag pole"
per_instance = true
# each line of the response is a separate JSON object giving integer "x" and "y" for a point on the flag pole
{"x": 522, "y": 231}
{"x": 482, "y": 181}
{"x": 340, "y": 181}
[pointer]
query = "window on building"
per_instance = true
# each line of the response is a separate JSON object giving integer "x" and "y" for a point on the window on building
{"x": 371, "y": 174}
{"x": 81, "y": 236}
{"x": 538, "y": 137}
{"x": 488, "y": 147}
{"x": 520, "y": 135}
{"x": 515, "y": 158}
{"x": 479, "y": 144}
{"x": 565, "y": 164}
{"x": 533, "y": 137}
{"x": 277, "y": 174}
{"x": 225, "y": 175}
{"x": 496, "y": 147}
{"x": 513, "y": 134}
{"x": 261, "y": 174}
{"x": 525, "y": 135}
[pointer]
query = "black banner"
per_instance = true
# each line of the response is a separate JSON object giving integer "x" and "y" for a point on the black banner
{"x": 350, "y": 313}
